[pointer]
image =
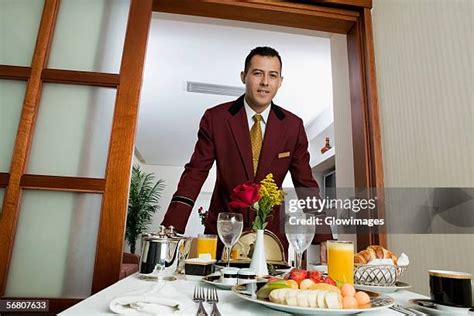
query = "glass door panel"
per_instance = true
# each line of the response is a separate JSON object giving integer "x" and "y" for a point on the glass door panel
{"x": 12, "y": 94}
{"x": 55, "y": 245}
{"x": 19, "y": 24}
{"x": 89, "y": 35}
{"x": 72, "y": 131}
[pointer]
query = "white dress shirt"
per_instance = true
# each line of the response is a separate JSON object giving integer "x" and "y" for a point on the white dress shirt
{"x": 250, "y": 113}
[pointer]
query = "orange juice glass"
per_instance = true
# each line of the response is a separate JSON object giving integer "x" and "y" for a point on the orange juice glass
{"x": 207, "y": 244}
{"x": 341, "y": 261}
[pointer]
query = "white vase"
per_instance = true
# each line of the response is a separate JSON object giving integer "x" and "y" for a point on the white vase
{"x": 259, "y": 262}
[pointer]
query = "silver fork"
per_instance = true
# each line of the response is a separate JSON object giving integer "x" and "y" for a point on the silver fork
{"x": 213, "y": 298}
{"x": 198, "y": 297}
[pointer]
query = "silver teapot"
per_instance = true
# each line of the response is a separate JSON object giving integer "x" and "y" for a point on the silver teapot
{"x": 164, "y": 253}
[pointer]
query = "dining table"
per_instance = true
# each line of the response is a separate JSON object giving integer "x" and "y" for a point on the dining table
{"x": 229, "y": 303}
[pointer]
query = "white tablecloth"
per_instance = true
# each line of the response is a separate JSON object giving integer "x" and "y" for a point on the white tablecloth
{"x": 229, "y": 304}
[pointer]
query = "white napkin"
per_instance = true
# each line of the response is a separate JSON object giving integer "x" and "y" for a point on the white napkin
{"x": 162, "y": 299}
{"x": 379, "y": 262}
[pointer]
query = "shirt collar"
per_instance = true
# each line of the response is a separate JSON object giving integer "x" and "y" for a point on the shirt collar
{"x": 250, "y": 113}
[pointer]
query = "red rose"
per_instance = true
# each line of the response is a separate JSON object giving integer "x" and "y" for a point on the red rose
{"x": 244, "y": 195}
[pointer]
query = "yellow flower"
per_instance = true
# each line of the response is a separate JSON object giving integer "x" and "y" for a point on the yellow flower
{"x": 270, "y": 191}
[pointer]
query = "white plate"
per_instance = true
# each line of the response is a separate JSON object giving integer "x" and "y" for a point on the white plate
{"x": 244, "y": 291}
{"x": 383, "y": 289}
{"x": 437, "y": 309}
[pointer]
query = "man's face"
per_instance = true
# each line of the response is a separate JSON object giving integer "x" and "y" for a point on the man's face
{"x": 262, "y": 80}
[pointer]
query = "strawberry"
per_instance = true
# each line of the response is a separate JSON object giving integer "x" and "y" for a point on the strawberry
{"x": 316, "y": 276}
{"x": 328, "y": 280}
{"x": 298, "y": 275}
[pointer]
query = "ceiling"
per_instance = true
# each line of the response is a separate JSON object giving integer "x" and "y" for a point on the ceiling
{"x": 183, "y": 48}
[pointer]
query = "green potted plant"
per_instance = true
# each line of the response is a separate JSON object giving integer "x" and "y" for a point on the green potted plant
{"x": 142, "y": 204}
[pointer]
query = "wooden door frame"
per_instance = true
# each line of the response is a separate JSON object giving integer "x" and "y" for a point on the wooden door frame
{"x": 352, "y": 18}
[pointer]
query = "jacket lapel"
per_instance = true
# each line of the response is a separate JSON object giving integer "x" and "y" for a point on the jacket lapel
{"x": 274, "y": 132}
{"x": 240, "y": 130}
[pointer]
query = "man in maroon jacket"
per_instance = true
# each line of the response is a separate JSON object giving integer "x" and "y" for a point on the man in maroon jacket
{"x": 224, "y": 137}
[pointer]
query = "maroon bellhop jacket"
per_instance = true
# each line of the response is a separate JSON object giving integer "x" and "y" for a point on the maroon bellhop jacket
{"x": 224, "y": 137}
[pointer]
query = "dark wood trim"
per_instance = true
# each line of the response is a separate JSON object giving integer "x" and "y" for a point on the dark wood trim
{"x": 366, "y": 137}
{"x": 374, "y": 127}
{"x": 114, "y": 203}
{"x": 283, "y": 13}
{"x": 14, "y": 72}
{"x": 359, "y": 124}
{"x": 56, "y": 305}
{"x": 346, "y": 3}
{"x": 11, "y": 203}
{"x": 4, "y": 177}
{"x": 69, "y": 184}
{"x": 80, "y": 77}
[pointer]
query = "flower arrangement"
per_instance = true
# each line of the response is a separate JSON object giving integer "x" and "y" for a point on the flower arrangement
{"x": 202, "y": 215}
{"x": 260, "y": 197}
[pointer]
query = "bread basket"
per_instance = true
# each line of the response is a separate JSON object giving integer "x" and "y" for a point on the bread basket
{"x": 377, "y": 275}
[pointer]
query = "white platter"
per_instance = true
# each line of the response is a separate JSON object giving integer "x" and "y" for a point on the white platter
{"x": 247, "y": 292}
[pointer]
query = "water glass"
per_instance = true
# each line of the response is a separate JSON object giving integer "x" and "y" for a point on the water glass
{"x": 299, "y": 229}
{"x": 229, "y": 229}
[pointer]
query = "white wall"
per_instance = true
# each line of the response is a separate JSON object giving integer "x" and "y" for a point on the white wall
{"x": 423, "y": 53}
{"x": 171, "y": 175}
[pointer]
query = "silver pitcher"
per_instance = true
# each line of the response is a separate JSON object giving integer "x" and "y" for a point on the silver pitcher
{"x": 164, "y": 253}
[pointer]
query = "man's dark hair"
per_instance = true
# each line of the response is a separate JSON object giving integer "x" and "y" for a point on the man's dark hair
{"x": 262, "y": 51}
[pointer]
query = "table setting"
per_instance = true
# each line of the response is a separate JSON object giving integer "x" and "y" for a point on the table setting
{"x": 172, "y": 282}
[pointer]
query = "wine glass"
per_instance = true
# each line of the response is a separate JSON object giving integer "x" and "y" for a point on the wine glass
{"x": 299, "y": 230}
{"x": 229, "y": 228}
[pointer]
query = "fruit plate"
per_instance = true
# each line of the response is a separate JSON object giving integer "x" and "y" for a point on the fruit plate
{"x": 383, "y": 289}
{"x": 248, "y": 292}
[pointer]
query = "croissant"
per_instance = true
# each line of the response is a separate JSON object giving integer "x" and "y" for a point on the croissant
{"x": 380, "y": 251}
{"x": 374, "y": 252}
{"x": 364, "y": 257}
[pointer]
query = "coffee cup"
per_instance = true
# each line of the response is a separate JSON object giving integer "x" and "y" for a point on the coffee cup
{"x": 451, "y": 288}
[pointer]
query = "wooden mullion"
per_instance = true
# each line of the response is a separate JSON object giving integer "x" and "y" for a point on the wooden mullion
{"x": 115, "y": 200}
{"x": 319, "y": 18}
{"x": 56, "y": 183}
{"x": 9, "y": 217}
{"x": 14, "y": 72}
{"x": 4, "y": 179}
{"x": 80, "y": 77}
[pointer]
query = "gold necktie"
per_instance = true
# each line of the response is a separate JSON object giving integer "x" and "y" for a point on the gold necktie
{"x": 256, "y": 140}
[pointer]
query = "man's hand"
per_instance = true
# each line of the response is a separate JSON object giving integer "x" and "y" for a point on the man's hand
{"x": 323, "y": 252}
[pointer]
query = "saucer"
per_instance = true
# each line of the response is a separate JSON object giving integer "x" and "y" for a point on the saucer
{"x": 430, "y": 307}
{"x": 215, "y": 279}
{"x": 383, "y": 289}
